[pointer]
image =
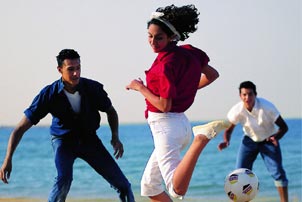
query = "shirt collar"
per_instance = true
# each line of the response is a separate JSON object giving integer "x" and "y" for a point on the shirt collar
{"x": 61, "y": 85}
{"x": 256, "y": 105}
{"x": 170, "y": 47}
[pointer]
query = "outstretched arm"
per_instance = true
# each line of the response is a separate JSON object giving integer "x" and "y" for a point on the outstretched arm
{"x": 13, "y": 142}
{"x": 209, "y": 74}
{"x": 226, "y": 137}
{"x": 113, "y": 121}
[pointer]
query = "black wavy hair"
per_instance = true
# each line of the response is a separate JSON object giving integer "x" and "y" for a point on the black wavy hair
{"x": 67, "y": 54}
{"x": 184, "y": 19}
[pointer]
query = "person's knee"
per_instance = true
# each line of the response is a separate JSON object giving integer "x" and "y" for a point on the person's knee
{"x": 64, "y": 178}
{"x": 177, "y": 192}
{"x": 180, "y": 191}
{"x": 125, "y": 187}
{"x": 64, "y": 183}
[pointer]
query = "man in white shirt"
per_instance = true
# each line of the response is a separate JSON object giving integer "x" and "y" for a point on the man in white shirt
{"x": 263, "y": 127}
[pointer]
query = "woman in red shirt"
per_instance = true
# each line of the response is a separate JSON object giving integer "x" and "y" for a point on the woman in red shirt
{"x": 172, "y": 82}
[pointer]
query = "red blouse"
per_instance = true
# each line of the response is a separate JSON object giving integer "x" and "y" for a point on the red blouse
{"x": 175, "y": 74}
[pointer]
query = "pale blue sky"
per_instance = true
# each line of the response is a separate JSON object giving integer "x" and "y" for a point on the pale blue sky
{"x": 257, "y": 40}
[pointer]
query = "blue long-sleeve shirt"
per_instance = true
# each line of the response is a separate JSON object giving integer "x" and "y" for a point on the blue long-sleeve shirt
{"x": 53, "y": 100}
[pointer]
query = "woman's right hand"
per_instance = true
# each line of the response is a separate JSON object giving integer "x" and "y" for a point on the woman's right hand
{"x": 135, "y": 84}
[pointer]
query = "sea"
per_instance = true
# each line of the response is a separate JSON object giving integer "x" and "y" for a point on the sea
{"x": 34, "y": 172}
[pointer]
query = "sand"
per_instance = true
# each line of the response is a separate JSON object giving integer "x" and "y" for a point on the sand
{"x": 68, "y": 200}
{"x": 138, "y": 200}
{"x": 43, "y": 200}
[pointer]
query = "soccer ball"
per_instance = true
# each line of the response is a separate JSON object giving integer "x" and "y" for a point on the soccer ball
{"x": 241, "y": 185}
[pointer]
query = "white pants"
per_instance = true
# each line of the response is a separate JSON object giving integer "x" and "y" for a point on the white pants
{"x": 171, "y": 133}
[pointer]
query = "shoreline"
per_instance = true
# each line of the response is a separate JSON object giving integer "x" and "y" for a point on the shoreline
{"x": 139, "y": 199}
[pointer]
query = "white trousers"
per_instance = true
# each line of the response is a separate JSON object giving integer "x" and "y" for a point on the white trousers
{"x": 171, "y": 133}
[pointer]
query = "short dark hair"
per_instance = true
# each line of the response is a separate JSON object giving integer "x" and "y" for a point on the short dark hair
{"x": 67, "y": 54}
{"x": 248, "y": 85}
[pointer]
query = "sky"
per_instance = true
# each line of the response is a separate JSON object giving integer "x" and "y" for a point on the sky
{"x": 256, "y": 40}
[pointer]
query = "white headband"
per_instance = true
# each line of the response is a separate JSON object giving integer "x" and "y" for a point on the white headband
{"x": 157, "y": 15}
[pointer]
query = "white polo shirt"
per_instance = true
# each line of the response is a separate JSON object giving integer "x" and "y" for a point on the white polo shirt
{"x": 258, "y": 124}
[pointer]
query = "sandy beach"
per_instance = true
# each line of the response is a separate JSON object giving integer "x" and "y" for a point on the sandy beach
{"x": 138, "y": 199}
{"x": 43, "y": 200}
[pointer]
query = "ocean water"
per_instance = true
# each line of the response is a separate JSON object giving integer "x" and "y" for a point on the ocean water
{"x": 33, "y": 168}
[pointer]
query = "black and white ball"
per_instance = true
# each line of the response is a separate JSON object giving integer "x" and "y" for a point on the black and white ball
{"x": 241, "y": 185}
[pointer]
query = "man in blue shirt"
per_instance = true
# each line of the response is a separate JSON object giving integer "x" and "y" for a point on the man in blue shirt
{"x": 74, "y": 103}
